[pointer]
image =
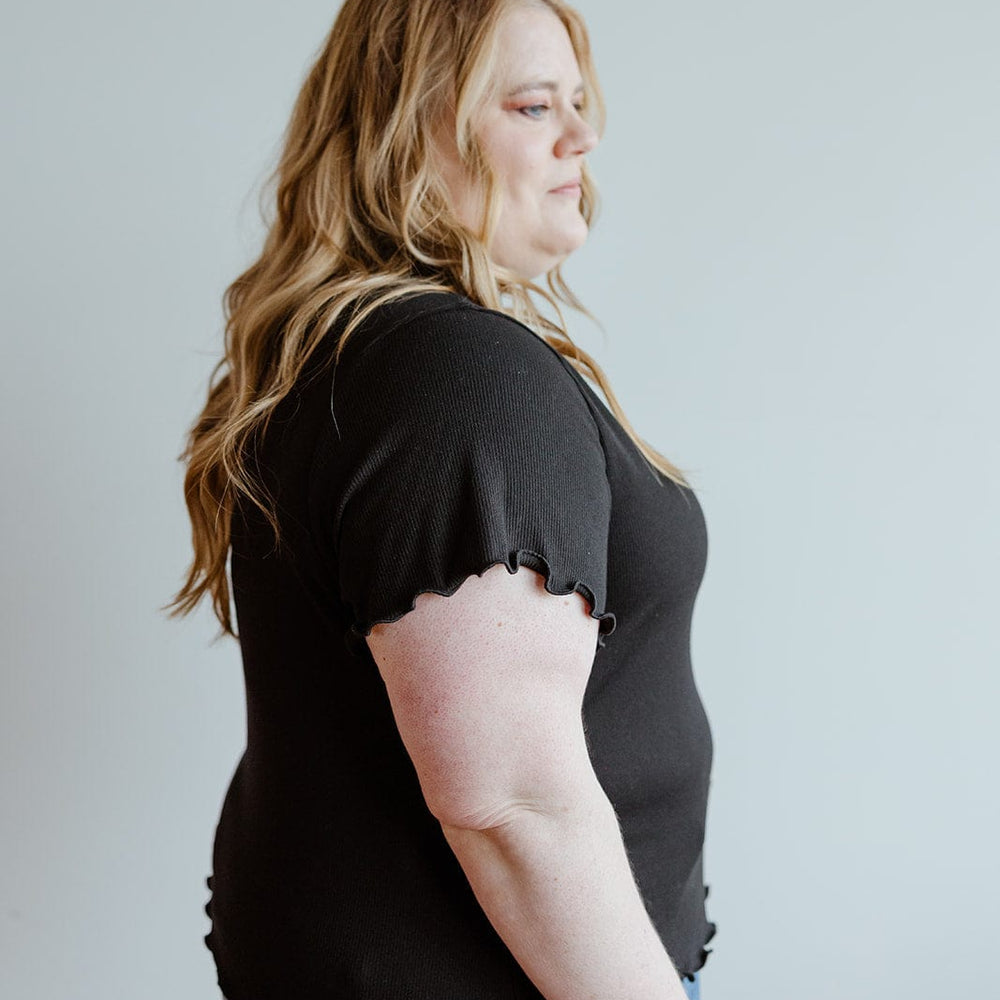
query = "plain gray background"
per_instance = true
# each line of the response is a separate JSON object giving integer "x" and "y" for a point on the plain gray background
{"x": 796, "y": 267}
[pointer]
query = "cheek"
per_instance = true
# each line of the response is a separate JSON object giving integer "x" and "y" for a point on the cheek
{"x": 522, "y": 169}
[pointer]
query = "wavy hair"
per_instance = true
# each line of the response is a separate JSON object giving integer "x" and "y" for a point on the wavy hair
{"x": 360, "y": 216}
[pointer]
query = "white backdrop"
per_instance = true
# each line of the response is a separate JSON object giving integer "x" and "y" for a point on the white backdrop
{"x": 795, "y": 266}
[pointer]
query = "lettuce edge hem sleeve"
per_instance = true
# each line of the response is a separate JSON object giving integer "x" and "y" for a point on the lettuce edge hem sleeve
{"x": 359, "y": 631}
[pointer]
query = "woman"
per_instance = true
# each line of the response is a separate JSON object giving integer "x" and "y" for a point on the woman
{"x": 454, "y": 785}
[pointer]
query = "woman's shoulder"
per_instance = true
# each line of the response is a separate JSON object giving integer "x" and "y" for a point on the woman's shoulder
{"x": 444, "y": 328}
{"x": 424, "y": 358}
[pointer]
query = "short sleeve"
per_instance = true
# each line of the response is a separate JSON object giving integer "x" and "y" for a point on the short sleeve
{"x": 464, "y": 441}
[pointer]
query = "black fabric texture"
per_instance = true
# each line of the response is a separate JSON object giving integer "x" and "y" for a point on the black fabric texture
{"x": 449, "y": 438}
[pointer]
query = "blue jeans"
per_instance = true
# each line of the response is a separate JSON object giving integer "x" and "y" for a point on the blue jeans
{"x": 693, "y": 989}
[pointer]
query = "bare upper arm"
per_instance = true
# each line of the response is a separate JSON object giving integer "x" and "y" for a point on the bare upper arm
{"x": 486, "y": 687}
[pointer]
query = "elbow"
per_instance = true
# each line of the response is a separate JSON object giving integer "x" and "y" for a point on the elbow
{"x": 551, "y": 783}
{"x": 462, "y": 815}
{"x": 566, "y": 804}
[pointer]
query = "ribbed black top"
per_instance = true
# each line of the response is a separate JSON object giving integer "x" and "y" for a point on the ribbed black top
{"x": 449, "y": 438}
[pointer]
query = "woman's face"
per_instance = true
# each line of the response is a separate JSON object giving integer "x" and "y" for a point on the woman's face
{"x": 535, "y": 139}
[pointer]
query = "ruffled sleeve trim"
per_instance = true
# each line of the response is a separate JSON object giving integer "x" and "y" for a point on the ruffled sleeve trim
{"x": 555, "y": 584}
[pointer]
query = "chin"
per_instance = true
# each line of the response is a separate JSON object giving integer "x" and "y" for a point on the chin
{"x": 575, "y": 237}
{"x": 568, "y": 248}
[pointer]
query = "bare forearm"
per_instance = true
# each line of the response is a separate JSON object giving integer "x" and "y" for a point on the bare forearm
{"x": 561, "y": 894}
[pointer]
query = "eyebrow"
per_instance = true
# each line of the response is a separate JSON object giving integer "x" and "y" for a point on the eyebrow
{"x": 549, "y": 85}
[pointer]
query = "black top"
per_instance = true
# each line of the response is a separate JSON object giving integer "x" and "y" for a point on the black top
{"x": 449, "y": 438}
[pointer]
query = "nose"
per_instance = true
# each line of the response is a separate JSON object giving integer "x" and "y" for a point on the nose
{"x": 578, "y": 137}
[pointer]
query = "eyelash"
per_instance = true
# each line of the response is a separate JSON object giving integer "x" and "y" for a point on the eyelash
{"x": 544, "y": 107}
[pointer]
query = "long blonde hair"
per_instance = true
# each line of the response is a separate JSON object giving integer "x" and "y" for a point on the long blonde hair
{"x": 361, "y": 217}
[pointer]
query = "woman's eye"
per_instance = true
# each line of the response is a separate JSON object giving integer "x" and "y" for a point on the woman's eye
{"x": 536, "y": 110}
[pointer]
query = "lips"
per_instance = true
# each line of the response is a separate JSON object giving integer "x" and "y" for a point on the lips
{"x": 569, "y": 186}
